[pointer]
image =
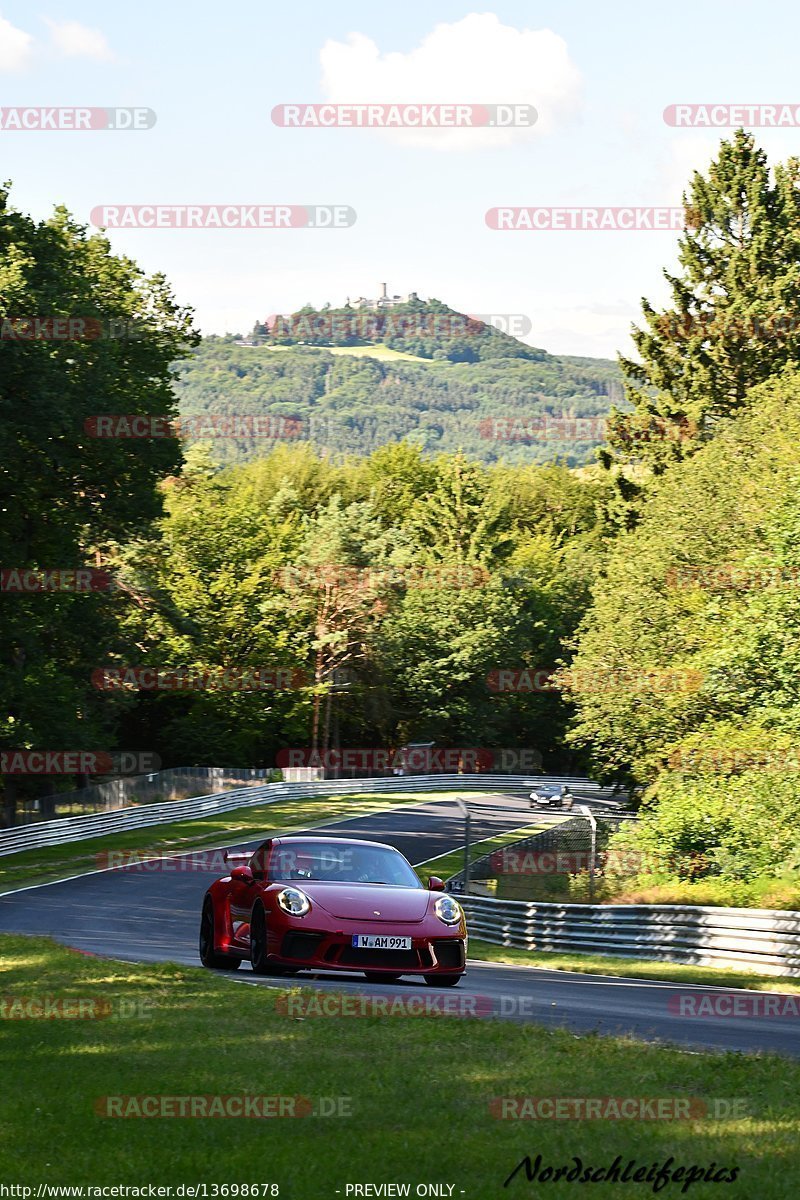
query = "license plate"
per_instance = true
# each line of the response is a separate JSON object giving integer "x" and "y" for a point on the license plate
{"x": 380, "y": 941}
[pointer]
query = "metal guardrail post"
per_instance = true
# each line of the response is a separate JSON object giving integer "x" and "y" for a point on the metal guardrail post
{"x": 466, "y": 849}
{"x": 590, "y": 817}
{"x": 465, "y": 810}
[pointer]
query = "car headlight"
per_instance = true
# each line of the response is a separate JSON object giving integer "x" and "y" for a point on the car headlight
{"x": 294, "y": 902}
{"x": 447, "y": 910}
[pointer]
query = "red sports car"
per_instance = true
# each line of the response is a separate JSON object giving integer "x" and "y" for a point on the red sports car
{"x": 307, "y": 903}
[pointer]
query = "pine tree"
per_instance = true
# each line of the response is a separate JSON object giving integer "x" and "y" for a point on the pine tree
{"x": 733, "y": 320}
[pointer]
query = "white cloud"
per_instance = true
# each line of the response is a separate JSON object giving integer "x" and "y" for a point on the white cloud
{"x": 73, "y": 40}
{"x": 474, "y": 60}
{"x": 15, "y": 47}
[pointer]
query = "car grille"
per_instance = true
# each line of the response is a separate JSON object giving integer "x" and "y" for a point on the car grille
{"x": 352, "y": 956}
{"x": 301, "y": 945}
{"x": 449, "y": 953}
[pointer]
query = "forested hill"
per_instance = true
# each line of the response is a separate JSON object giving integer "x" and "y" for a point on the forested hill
{"x": 513, "y": 402}
{"x": 425, "y": 328}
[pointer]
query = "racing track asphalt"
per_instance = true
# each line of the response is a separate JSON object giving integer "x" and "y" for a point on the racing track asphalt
{"x": 147, "y": 914}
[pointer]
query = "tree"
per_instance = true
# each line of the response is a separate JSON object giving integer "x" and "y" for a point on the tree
{"x": 342, "y": 579}
{"x": 66, "y": 496}
{"x": 412, "y": 578}
{"x": 733, "y": 320}
{"x": 689, "y": 634}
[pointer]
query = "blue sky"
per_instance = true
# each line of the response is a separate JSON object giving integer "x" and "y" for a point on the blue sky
{"x": 213, "y": 77}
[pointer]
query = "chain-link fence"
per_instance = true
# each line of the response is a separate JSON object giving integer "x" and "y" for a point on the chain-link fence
{"x": 546, "y": 865}
{"x": 177, "y": 783}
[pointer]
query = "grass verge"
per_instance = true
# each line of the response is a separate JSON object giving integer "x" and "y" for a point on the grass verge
{"x": 240, "y": 824}
{"x": 374, "y": 350}
{"x": 630, "y": 968}
{"x": 419, "y": 1092}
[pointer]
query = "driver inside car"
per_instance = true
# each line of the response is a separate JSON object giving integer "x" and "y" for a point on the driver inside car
{"x": 304, "y": 868}
{"x": 377, "y": 868}
{"x": 296, "y": 866}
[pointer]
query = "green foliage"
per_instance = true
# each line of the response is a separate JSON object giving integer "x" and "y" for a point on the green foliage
{"x": 356, "y": 405}
{"x": 320, "y": 567}
{"x": 66, "y": 497}
{"x": 733, "y": 319}
{"x": 703, "y": 840}
{"x": 703, "y": 598}
{"x": 685, "y": 676}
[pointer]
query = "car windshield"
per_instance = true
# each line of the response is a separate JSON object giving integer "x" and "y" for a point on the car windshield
{"x": 331, "y": 863}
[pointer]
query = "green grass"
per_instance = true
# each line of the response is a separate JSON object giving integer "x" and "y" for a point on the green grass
{"x": 450, "y": 864}
{"x": 419, "y": 1093}
{"x": 384, "y": 353}
{"x": 240, "y": 824}
{"x": 601, "y": 964}
{"x": 378, "y": 350}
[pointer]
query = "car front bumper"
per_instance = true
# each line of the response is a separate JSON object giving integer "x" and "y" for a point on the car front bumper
{"x": 335, "y": 952}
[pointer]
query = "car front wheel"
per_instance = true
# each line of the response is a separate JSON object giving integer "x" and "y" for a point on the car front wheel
{"x": 208, "y": 955}
{"x": 258, "y": 945}
{"x": 442, "y": 980}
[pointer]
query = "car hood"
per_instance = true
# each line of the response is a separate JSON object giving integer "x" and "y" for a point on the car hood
{"x": 362, "y": 901}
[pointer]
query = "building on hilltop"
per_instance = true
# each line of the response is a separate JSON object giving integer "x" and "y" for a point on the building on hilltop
{"x": 384, "y": 300}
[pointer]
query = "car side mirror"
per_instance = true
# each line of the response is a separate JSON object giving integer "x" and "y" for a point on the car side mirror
{"x": 436, "y": 884}
{"x": 242, "y": 875}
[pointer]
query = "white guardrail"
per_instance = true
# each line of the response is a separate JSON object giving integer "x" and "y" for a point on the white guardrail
{"x": 753, "y": 939}
{"x": 92, "y": 825}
